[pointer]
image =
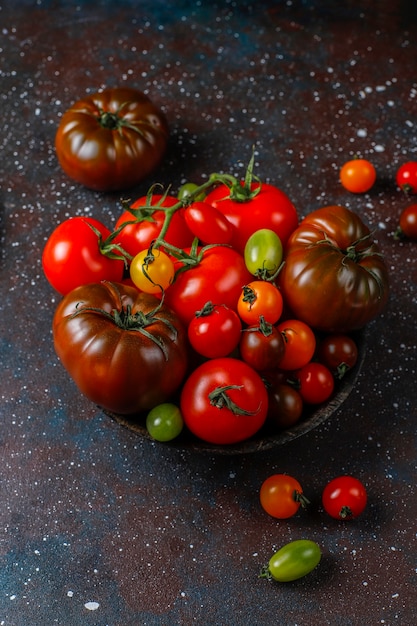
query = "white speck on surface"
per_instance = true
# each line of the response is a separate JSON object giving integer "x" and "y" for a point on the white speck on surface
{"x": 92, "y": 606}
{"x": 70, "y": 594}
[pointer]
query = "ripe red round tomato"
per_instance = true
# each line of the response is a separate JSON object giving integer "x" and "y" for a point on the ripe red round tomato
{"x": 281, "y": 496}
{"x": 344, "y": 497}
{"x": 270, "y": 208}
{"x": 358, "y": 175}
{"x": 217, "y": 277}
{"x": 214, "y": 331}
{"x": 408, "y": 223}
{"x": 111, "y": 140}
{"x": 144, "y": 224}
{"x": 334, "y": 276}
{"x": 224, "y": 401}
{"x": 406, "y": 177}
{"x": 125, "y": 351}
{"x": 316, "y": 383}
{"x": 257, "y": 299}
{"x": 300, "y": 344}
{"x": 73, "y": 255}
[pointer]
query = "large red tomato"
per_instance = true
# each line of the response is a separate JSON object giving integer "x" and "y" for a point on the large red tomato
{"x": 334, "y": 277}
{"x": 124, "y": 350}
{"x": 270, "y": 208}
{"x": 218, "y": 278}
{"x": 224, "y": 401}
{"x": 111, "y": 140}
{"x": 76, "y": 253}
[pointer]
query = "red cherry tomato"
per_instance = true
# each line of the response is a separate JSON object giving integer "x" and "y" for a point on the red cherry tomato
{"x": 406, "y": 177}
{"x": 207, "y": 223}
{"x": 214, "y": 331}
{"x": 344, "y": 498}
{"x": 316, "y": 383}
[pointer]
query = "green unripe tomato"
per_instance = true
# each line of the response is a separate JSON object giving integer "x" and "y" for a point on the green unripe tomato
{"x": 263, "y": 253}
{"x": 294, "y": 560}
{"x": 164, "y": 422}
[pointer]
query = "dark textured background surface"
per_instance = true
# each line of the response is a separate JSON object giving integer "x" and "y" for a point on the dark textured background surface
{"x": 99, "y": 527}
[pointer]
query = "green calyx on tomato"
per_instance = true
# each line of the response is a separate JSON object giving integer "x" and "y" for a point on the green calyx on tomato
{"x": 125, "y": 319}
{"x": 220, "y": 399}
{"x": 125, "y": 363}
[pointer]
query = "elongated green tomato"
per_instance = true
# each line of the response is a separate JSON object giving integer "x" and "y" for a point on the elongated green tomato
{"x": 152, "y": 271}
{"x": 263, "y": 253}
{"x": 164, "y": 422}
{"x": 293, "y": 561}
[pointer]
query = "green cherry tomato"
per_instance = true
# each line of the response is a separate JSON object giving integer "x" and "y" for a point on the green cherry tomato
{"x": 164, "y": 422}
{"x": 263, "y": 253}
{"x": 187, "y": 189}
{"x": 294, "y": 560}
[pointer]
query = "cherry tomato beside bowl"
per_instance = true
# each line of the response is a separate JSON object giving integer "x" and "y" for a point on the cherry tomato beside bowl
{"x": 406, "y": 177}
{"x": 111, "y": 140}
{"x": 408, "y": 224}
{"x": 358, "y": 175}
{"x": 293, "y": 561}
{"x": 344, "y": 498}
{"x": 281, "y": 496}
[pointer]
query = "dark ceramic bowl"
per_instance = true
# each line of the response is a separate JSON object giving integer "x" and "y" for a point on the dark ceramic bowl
{"x": 264, "y": 439}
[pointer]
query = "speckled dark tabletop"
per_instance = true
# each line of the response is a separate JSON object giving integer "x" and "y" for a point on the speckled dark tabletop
{"x": 100, "y": 527}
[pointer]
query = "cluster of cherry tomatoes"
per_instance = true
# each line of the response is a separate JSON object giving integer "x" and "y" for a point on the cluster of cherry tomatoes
{"x": 281, "y": 496}
{"x": 359, "y": 176}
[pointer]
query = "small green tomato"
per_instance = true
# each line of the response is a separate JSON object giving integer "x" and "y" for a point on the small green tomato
{"x": 263, "y": 253}
{"x": 164, "y": 422}
{"x": 294, "y": 560}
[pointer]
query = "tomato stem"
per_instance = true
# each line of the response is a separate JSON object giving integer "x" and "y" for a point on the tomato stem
{"x": 219, "y": 398}
{"x": 138, "y": 321}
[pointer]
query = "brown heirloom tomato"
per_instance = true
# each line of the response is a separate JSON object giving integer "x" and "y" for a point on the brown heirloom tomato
{"x": 125, "y": 350}
{"x": 334, "y": 277}
{"x": 111, "y": 140}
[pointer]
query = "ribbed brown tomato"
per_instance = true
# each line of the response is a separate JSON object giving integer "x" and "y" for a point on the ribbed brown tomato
{"x": 125, "y": 350}
{"x": 334, "y": 277}
{"x": 111, "y": 140}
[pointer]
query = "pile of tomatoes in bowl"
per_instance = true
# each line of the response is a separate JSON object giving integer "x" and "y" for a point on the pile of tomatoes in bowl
{"x": 215, "y": 319}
